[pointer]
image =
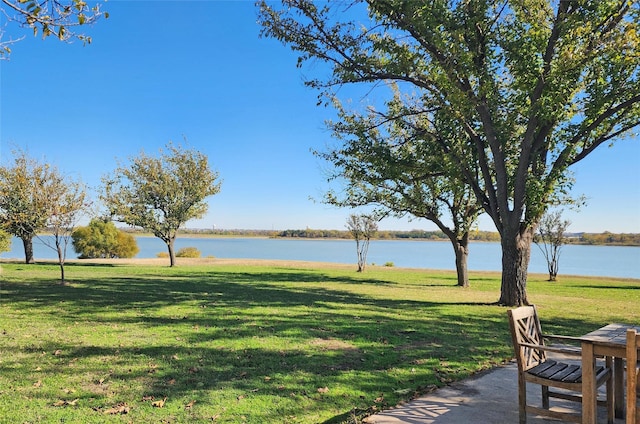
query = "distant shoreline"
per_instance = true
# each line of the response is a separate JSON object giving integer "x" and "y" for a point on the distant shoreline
{"x": 613, "y": 261}
{"x": 586, "y": 239}
{"x": 582, "y": 239}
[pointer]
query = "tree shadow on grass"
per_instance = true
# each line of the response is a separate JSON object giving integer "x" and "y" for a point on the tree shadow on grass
{"x": 393, "y": 353}
{"x": 150, "y": 291}
{"x": 282, "y": 335}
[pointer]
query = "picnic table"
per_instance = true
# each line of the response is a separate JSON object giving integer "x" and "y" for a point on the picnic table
{"x": 608, "y": 341}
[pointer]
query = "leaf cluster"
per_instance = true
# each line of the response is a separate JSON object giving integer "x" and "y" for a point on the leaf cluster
{"x": 5, "y": 241}
{"x": 58, "y": 18}
{"x": 396, "y": 160}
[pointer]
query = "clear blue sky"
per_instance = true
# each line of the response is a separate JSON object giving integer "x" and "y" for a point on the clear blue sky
{"x": 164, "y": 70}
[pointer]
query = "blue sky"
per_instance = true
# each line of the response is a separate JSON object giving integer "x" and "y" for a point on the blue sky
{"x": 165, "y": 70}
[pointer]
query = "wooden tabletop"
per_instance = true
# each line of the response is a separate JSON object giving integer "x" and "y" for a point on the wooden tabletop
{"x": 614, "y": 335}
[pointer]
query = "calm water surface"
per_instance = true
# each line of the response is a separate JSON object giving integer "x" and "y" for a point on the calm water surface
{"x": 611, "y": 261}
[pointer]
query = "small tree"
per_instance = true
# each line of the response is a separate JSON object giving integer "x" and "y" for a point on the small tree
{"x": 101, "y": 239}
{"x": 66, "y": 200}
{"x": 550, "y": 238}
{"x": 23, "y": 198}
{"x": 362, "y": 228}
{"x": 161, "y": 194}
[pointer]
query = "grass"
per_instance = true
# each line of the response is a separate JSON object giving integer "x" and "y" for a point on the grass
{"x": 259, "y": 343}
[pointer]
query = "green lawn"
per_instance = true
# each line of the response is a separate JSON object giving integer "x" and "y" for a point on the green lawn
{"x": 258, "y": 344}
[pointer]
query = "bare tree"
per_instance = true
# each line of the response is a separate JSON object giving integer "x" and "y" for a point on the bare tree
{"x": 66, "y": 201}
{"x": 362, "y": 228}
{"x": 550, "y": 238}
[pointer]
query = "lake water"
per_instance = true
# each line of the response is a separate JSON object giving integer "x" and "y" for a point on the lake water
{"x": 611, "y": 261}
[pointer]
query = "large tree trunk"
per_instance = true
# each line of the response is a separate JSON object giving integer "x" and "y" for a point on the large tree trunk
{"x": 516, "y": 252}
{"x": 461, "y": 248}
{"x": 27, "y": 242}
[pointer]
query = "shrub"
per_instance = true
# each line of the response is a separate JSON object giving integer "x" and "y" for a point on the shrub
{"x": 162, "y": 255}
{"x": 126, "y": 247}
{"x": 389, "y": 264}
{"x": 188, "y": 252}
{"x": 101, "y": 239}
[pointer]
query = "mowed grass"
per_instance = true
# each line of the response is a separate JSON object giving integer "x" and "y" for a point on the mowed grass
{"x": 259, "y": 343}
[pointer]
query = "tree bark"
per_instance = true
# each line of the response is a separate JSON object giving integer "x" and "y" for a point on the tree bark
{"x": 27, "y": 242}
{"x": 172, "y": 253}
{"x": 516, "y": 252}
{"x": 61, "y": 258}
{"x": 461, "y": 248}
{"x": 359, "y": 255}
{"x": 62, "y": 280}
{"x": 553, "y": 265}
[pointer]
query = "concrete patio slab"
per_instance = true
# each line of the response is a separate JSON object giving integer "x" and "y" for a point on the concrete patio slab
{"x": 490, "y": 397}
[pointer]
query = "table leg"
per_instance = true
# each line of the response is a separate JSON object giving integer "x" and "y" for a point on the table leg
{"x": 618, "y": 387}
{"x": 589, "y": 404}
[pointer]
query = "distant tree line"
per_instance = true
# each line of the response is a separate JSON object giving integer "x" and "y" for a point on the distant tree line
{"x": 606, "y": 238}
{"x": 609, "y": 238}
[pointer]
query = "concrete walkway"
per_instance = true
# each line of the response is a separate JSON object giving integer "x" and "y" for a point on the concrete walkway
{"x": 490, "y": 397}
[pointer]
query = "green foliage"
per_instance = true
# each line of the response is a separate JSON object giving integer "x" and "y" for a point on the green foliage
{"x": 159, "y": 194}
{"x": 188, "y": 252}
{"x": 127, "y": 247}
{"x": 386, "y": 163}
{"x": 23, "y": 195}
{"x": 5, "y": 241}
{"x": 389, "y": 264}
{"x": 101, "y": 239}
